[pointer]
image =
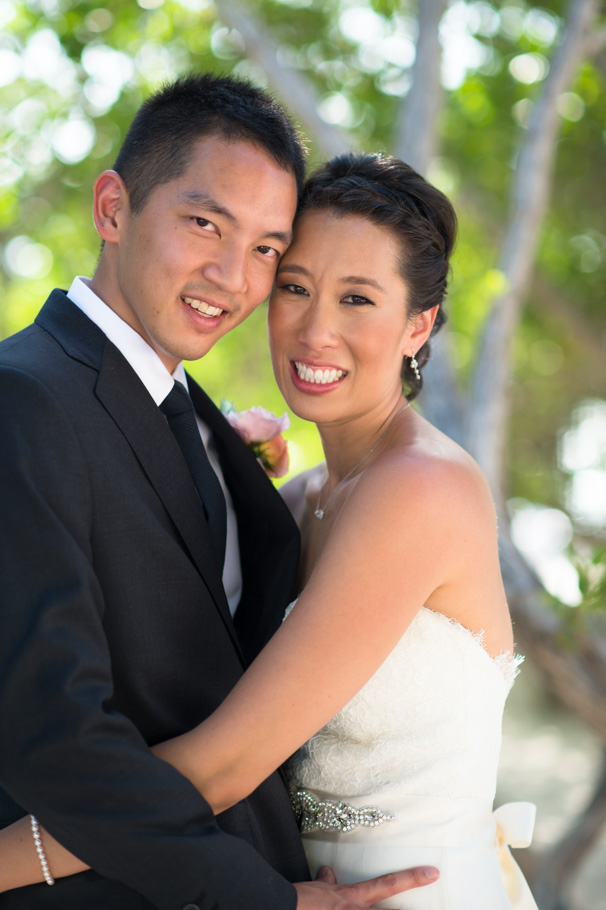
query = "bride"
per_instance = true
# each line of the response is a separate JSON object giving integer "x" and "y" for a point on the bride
{"x": 399, "y": 650}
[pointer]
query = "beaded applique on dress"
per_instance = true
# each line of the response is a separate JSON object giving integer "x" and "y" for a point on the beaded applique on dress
{"x": 327, "y": 815}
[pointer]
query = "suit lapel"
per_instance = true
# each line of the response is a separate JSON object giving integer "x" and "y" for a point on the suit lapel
{"x": 127, "y": 400}
{"x": 130, "y": 405}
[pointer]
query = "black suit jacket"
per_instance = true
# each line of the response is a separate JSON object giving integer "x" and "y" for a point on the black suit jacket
{"x": 115, "y": 632}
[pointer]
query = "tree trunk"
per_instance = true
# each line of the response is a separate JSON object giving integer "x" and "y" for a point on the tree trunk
{"x": 530, "y": 193}
{"x": 297, "y": 92}
{"x": 416, "y": 134}
{"x": 416, "y": 143}
{"x": 441, "y": 401}
{"x": 557, "y": 870}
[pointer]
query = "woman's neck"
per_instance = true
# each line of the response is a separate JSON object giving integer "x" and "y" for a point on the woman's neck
{"x": 351, "y": 443}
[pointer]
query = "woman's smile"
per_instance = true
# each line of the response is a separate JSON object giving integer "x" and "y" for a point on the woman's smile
{"x": 321, "y": 377}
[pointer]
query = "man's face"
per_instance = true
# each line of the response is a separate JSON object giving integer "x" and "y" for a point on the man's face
{"x": 202, "y": 253}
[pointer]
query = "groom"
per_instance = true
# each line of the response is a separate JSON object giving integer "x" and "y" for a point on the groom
{"x": 122, "y": 560}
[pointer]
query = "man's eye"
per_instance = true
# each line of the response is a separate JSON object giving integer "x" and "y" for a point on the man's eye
{"x": 269, "y": 252}
{"x": 357, "y": 300}
{"x": 205, "y": 224}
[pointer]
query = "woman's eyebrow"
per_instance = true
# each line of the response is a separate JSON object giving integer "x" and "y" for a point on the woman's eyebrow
{"x": 347, "y": 279}
{"x": 295, "y": 269}
{"x": 357, "y": 279}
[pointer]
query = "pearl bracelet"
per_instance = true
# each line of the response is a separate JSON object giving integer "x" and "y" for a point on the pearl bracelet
{"x": 40, "y": 851}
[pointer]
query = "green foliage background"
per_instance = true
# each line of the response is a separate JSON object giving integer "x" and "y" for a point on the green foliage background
{"x": 66, "y": 62}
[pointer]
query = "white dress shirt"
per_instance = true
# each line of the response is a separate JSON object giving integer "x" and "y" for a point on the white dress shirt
{"x": 159, "y": 382}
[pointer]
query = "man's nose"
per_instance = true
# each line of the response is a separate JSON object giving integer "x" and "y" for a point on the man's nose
{"x": 227, "y": 270}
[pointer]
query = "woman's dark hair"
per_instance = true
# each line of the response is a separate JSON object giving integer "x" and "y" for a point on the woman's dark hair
{"x": 158, "y": 145}
{"x": 391, "y": 194}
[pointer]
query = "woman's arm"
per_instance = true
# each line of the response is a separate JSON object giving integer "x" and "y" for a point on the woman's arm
{"x": 393, "y": 544}
{"x": 19, "y": 862}
{"x": 400, "y": 537}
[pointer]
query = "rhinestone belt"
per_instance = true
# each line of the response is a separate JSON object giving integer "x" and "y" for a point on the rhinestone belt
{"x": 327, "y": 815}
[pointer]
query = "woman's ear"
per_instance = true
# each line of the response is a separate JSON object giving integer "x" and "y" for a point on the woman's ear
{"x": 110, "y": 203}
{"x": 420, "y": 330}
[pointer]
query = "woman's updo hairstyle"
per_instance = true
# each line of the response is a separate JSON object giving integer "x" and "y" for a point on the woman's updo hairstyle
{"x": 391, "y": 194}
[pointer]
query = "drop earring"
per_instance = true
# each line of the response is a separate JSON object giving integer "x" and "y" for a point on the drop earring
{"x": 414, "y": 365}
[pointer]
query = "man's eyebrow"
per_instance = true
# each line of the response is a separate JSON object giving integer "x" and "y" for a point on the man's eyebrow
{"x": 285, "y": 237}
{"x": 205, "y": 201}
{"x": 195, "y": 197}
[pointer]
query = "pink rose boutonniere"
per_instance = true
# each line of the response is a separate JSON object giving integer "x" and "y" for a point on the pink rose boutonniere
{"x": 262, "y": 432}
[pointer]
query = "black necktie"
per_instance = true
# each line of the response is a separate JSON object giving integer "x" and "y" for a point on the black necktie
{"x": 179, "y": 411}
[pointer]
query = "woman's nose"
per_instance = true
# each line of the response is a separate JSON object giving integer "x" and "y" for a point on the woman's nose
{"x": 317, "y": 329}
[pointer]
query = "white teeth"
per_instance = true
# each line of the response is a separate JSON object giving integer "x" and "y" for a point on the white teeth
{"x": 321, "y": 377}
{"x": 203, "y": 307}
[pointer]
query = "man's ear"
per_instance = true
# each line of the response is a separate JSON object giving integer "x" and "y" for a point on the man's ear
{"x": 420, "y": 330}
{"x": 110, "y": 203}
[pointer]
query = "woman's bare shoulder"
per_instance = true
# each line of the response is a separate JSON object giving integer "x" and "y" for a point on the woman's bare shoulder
{"x": 433, "y": 476}
{"x": 296, "y": 491}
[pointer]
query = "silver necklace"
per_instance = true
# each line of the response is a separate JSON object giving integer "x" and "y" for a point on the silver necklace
{"x": 319, "y": 512}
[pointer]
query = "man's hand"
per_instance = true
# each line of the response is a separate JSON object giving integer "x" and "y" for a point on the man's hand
{"x": 325, "y": 894}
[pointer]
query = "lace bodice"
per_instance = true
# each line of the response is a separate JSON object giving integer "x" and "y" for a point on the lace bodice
{"x": 428, "y": 723}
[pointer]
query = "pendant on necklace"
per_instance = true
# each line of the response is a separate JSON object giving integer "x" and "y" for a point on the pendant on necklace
{"x": 318, "y": 511}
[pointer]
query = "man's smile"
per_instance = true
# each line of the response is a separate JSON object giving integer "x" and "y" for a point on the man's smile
{"x": 202, "y": 306}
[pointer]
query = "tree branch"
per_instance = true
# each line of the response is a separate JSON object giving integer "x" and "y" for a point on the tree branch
{"x": 576, "y": 673}
{"x": 296, "y": 90}
{"x": 417, "y": 126}
{"x": 531, "y": 187}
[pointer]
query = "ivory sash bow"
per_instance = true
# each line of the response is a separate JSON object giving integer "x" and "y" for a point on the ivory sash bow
{"x": 515, "y": 826}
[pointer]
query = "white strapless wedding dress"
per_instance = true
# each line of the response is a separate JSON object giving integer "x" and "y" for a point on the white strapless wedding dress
{"x": 405, "y": 775}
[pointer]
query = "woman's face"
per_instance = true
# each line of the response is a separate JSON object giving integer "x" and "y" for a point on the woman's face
{"x": 338, "y": 324}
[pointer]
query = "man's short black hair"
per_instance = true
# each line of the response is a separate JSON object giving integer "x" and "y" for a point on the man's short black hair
{"x": 158, "y": 145}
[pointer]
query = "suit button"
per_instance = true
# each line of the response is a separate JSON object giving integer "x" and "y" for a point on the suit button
{"x": 191, "y": 907}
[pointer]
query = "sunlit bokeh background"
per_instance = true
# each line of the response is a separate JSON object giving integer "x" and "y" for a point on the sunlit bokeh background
{"x": 72, "y": 74}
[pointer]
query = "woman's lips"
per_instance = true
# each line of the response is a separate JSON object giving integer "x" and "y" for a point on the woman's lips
{"x": 317, "y": 374}
{"x": 315, "y": 378}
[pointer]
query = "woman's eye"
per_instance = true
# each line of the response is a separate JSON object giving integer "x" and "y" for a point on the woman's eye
{"x": 357, "y": 300}
{"x": 293, "y": 289}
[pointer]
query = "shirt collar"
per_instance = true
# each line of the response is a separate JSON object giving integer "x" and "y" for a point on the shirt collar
{"x": 142, "y": 358}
